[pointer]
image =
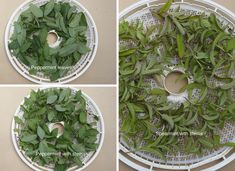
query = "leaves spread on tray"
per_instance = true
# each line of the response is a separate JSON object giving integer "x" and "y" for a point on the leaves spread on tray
{"x": 202, "y": 46}
{"x": 42, "y": 145}
{"x": 29, "y": 45}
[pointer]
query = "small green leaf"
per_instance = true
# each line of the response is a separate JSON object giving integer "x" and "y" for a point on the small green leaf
{"x": 37, "y": 12}
{"x": 83, "y": 21}
{"x": 202, "y": 55}
{"x": 151, "y": 71}
{"x": 165, "y": 7}
{"x": 78, "y": 161}
{"x": 203, "y": 95}
{"x": 83, "y": 117}
{"x": 128, "y": 52}
{"x": 49, "y": 7}
{"x": 41, "y": 111}
{"x": 82, "y": 132}
{"x": 78, "y": 95}
{"x": 180, "y": 45}
{"x": 75, "y": 21}
{"x": 132, "y": 111}
{"x": 206, "y": 142}
{"x": 178, "y": 25}
{"x": 40, "y": 132}
{"x": 229, "y": 144}
{"x": 154, "y": 151}
{"x": 158, "y": 91}
{"x": 169, "y": 120}
{"x": 28, "y": 138}
{"x": 18, "y": 120}
{"x": 60, "y": 108}
{"x": 83, "y": 49}
{"x": 231, "y": 108}
{"x": 50, "y": 116}
{"x": 79, "y": 148}
{"x": 217, "y": 39}
{"x": 228, "y": 85}
{"x": 230, "y": 45}
{"x": 150, "y": 111}
{"x": 51, "y": 99}
{"x": 69, "y": 49}
{"x": 192, "y": 120}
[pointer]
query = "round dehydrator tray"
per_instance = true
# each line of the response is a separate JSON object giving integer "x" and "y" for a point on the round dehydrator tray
{"x": 87, "y": 158}
{"x": 145, "y": 161}
{"x": 81, "y": 66}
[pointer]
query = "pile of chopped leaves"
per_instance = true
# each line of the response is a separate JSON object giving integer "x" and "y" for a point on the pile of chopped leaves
{"x": 29, "y": 39}
{"x": 44, "y": 146}
{"x": 206, "y": 50}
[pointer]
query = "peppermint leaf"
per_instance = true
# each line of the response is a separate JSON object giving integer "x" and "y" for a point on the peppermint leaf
{"x": 37, "y": 12}
{"x": 49, "y": 7}
{"x": 40, "y": 132}
{"x": 51, "y": 99}
{"x": 28, "y": 138}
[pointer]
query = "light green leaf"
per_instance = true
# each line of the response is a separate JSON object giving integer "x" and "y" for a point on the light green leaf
{"x": 165, "y": 7}
{"x": 83, "y": 117}
{"x": 40, "y": 132}
{"x": 68, "y": 50}
{"x": 49, "y": 7}
{"x": 51, "y": 99}
{"x": 60, "y": 108}
{"x": 169, "y": 120}
{"x": 28, "y": 138}
{"x": 180, "y": 45}
{"x": 37, "y": 12}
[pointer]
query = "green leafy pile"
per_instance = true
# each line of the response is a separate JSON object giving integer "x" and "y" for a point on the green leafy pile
{"x": 44, "y": 147}
{"x": 29, "y": 40}
{"x": 205, "y": 49}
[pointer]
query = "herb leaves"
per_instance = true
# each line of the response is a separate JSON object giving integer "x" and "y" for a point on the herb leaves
{"x": 29, "y": 45}
{"x": 205, "y": 49}
{"x": 53, "y": 105}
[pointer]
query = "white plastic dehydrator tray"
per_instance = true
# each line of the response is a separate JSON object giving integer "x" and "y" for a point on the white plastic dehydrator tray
{"x": 143, "y": 161}
{"x": 87, "y": 158}
{"x": 81, "y": 66}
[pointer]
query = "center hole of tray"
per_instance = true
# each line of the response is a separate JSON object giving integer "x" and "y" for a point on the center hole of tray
{"x": 175, "y": 82}
{"x": 60, "y": 128}
{"x": 52, "y": 38}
